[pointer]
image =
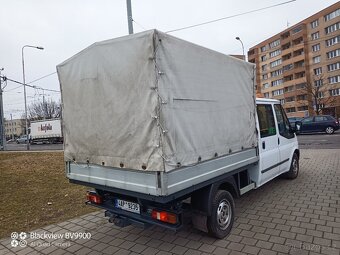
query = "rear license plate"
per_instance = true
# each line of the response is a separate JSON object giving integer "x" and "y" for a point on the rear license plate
{"x": 127, "y": 206}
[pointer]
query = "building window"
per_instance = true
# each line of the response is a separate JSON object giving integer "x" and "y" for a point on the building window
{"x": 301, "y": 97}
{"x": 274, "y": 43}
{"x": 296, "y": 30}
{"x": 300, "y": 75}
{"x": 332, "y": 15}
{"x": 314, "y": 23}
{"x": 316, "y": 59}
{"x": 275, "y": 63}
{"x": 333, "y": 41}
{"x": 290, "y": 109}
{"x": 321, "y": 94}
{"x": 333, "y": 53}
{"x": 265, "y": 77}
{"x": 274, "y": 53}
{"x": 334, "y": 79}
{"x": 333, "y": 67}
{"x": 332, "y": 28}
{"x": 289, "y": 89}
{"x": 276, "y": 83}
{"x": 265, "y": 85}
{"x": 316, "y": 47}
{"x": 264, "y": 68}
{"x": 266, "y": 95}
{"x": 300, "y": 86}
{"x": 334, "y": 92}
{"x": 315, "y": 36}
{"x": 282, "y": 101}
{"x": 290, "y": 99}
{"x": 302, "y": 108}
{"x": 318, "y": 83}
{"x": 318, "y": 71}
{"x": 263, "y": 48}
{"x": 276, "y": 73}
{"x": 263, "y": 58}
{"x": 287, "y": 67}
{"x": 277, "y": 92}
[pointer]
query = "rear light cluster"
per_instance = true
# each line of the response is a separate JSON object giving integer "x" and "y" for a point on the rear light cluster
{"x": 94, "y": 198}
{"x": 164, "y": 216}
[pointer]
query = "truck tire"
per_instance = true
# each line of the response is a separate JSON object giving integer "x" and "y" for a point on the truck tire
{"x": 221, "y": 221}
{"x": 294, "y": 168}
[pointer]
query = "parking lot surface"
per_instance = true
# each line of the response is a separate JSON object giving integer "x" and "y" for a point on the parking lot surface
{"x": 319, "y": 141}
{"x": 300, "y": 216}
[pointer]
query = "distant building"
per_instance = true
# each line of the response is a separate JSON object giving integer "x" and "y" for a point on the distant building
{"x": 242, "y": 57}
{"x": 300, "y": 66}
{"x": 14, "y": 128}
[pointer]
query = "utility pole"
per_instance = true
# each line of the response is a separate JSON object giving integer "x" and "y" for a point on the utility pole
{"x": 44, "y": 105}
{"x": 129, "y": 16}
{"x": 12, "y": 131}
{"x": 2, "y": 119}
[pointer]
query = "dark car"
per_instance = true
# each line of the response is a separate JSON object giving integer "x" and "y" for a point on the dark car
{"x": 293, "y": 120}
{"x": 320, "y": 123}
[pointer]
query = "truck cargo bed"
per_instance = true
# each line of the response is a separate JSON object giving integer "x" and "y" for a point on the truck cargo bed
{"x": 159, "y": 184}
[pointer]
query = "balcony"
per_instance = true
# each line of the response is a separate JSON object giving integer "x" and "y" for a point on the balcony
{"x": 299, "y": 58}
{"x": 286, "y": 51}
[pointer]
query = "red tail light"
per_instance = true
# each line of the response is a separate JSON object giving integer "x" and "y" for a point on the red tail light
{"x": 94, "y": 198}
{"x": 164, "y": 216}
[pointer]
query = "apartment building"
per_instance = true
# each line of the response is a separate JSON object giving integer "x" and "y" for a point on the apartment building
{"x": 14, "y": 128}
{"x": 300, "y": 66}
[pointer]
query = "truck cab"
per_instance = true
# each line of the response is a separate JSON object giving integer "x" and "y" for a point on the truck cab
{"x": 277, "y": 142}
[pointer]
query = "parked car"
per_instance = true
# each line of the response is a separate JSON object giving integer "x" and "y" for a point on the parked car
{"x": 22, "y": 139}
{"x": 293, "y": 120}
{"x": 320, "y": 123}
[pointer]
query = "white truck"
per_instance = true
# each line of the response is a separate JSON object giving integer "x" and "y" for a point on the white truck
{"x": 160, "y": 127}
{"x": 46, "y": 131}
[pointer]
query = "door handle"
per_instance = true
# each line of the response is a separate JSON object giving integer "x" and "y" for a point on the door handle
{"x": 278, "y": 140}
{"x": 264, "y": 145}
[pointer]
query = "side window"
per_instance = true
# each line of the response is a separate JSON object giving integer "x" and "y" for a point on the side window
{"x": 320, "y": 118}
{"x": 282, "y": 122}
{"x": 307, "y": 120}
{"x": 266, "y": 120}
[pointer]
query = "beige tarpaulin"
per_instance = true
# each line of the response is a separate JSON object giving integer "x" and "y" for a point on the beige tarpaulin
{"x": 151, "y": 101}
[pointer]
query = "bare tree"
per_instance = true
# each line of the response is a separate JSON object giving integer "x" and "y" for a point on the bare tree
{"x": 44, "y": 110}
{"x": 317, "y": 94}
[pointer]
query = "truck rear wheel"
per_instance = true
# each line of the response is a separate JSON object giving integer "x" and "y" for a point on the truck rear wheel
{"x": 221, "y": 221}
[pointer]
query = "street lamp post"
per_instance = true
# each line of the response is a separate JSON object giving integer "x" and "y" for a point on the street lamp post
{"x": 23, "y": 79}
{"x": 239, "y": 39}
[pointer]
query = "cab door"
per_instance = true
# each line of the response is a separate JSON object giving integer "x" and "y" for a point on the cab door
{"x": 286, "y": 138}
{"x": 268, "y": 148}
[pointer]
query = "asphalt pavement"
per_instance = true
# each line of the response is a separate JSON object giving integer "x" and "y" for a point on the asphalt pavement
{"x": 319, "y": 141}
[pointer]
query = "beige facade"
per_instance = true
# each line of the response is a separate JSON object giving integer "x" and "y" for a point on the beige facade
{"x": 300, "y": 66}
{"x": 14, "y": 128}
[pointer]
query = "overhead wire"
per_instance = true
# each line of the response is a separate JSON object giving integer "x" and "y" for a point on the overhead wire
{"x": 228, "y": 17}
{"x": 31, "y": 86}
{"x": 41, "y": 77}
{"x": 138, "y": 24}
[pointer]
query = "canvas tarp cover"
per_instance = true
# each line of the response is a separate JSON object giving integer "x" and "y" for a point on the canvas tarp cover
{"x": 153, "y": 102}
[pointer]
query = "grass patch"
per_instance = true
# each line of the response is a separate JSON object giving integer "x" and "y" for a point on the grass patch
{"x": 29, "y": 181}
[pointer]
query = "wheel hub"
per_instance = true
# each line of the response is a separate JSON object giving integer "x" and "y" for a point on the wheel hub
{"x": 224, "y": 214}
